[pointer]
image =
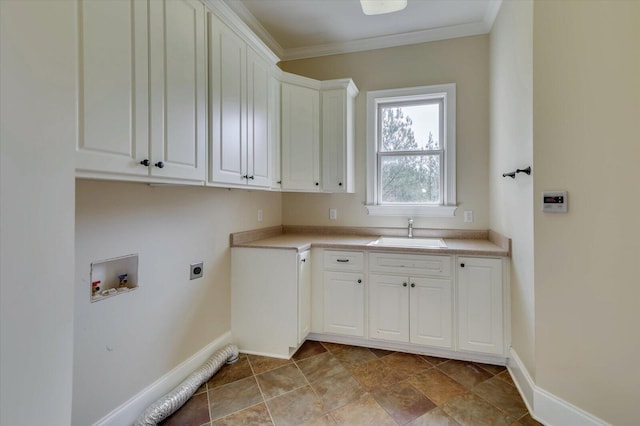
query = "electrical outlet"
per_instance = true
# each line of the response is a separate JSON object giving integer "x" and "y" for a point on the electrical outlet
{"x": 333, "y": 214}
{"x": 259, "y": 215}
{"x": 196, "y": 270}
{"x": 468, "y": 216}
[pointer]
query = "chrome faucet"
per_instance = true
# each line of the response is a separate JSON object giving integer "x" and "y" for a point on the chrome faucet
{"x": 410, "y": 229}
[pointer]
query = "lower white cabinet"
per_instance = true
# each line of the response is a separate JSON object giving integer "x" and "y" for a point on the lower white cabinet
{"x": 270, "y": 300}
{"x": 411, "y": 309}
{"x": 480, "y": 305}
{"x": 343, "y": 303}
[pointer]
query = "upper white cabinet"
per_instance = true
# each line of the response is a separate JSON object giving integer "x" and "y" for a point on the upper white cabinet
{"x": 480, "y": 305}
{"x": 338, "y": 99}
{"x": 300, "y": 138}
{"x": 317, "y": 134}
{"x": 242, "y": 114}
{"x": 142, "y": 90}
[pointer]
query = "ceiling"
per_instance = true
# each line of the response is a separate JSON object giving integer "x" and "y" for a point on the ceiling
{"x": 295, "y": 29}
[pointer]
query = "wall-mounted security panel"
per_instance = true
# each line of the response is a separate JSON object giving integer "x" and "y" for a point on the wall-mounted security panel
{"x": 113, "y": 276}
{"x": 554, "y": 202}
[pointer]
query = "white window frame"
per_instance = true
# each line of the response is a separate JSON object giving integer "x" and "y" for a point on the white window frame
{"x": 448, "y": 206}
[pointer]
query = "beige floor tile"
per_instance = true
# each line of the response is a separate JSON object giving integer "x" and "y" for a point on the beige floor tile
{"x": 465, "y": 373}
{"x": 471, "y": 410}
{"x": 376, "y": 374}
{"x": 230, "y": 373}
{"x": 506, "y": 377}
{"x": 261, "y": 364}
{"x": 308, "y": 349}
{"x": 493, "y": 369}
{"x": 363, "y": 411}
{"x": 320, "y": 367}
{"x": 233, "y": 397}
{"x": 403, "y": 402}
{"x": 338, "y": 390}
{"x": 437, "y": 386}
{"x": 257, "y": 415}
{"x": 502, "y": 395}
{"x": 527, "y": 420}
{"x": 354, "y": 355}
{"x": 296, "y": 407}
{"x": 407, "y": 364}
{"x": 435, "y": 417}
{"x": 281, "y": 380}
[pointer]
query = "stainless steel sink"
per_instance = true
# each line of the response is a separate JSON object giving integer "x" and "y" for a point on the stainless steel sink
{"x": 409, "y": 242}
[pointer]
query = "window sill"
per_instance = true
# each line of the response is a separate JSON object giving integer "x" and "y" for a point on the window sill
{"x": 406, "y": 210}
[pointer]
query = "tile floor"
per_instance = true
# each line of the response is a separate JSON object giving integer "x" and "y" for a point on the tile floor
{"x": 333, "y": 384}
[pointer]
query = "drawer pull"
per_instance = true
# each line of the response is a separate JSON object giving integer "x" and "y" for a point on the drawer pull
{"x": 404, "y": 284}
{"x": 342, "y": 260}
{"x": 413, "y": 285}
{"x": 359, "y": 281}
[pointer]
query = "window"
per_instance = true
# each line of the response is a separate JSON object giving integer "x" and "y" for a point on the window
{"x": 411, "y": 151}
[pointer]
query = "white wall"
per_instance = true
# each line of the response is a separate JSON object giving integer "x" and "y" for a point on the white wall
{"x": 464, "y": 61}
{"x": 586, "y": 129}
{"x": 126, "y": 342}
{"x": 37, "y": 139}
{"x": 511, "y": 148}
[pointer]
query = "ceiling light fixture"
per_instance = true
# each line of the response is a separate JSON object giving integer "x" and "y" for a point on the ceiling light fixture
{"x": 378, "y": 7}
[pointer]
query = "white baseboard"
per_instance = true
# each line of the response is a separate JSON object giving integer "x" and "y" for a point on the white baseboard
{"x": 128, "y": 412}
{"x": 544, "y": 406}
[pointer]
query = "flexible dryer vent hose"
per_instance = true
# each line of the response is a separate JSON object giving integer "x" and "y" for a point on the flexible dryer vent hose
{"x": 171, "y": 402}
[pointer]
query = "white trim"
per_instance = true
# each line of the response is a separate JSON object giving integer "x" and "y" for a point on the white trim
{"x": 544, "y": 406}
{"x": 231, "y": 18}
{"x": 411, "y": 210}
{"x": 415, "y": 37}
{"x": 128, "y": 412}
{"x": 409, "y": 348}
{"x": 448, "y": 93}
{"x": 491, "y": 13}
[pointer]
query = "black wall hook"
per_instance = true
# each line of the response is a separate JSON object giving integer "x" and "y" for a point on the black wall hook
{"x": 512, "y": 175}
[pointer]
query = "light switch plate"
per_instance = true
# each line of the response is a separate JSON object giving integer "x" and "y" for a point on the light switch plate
{"x": 333, "y": 214}
{"x": 468, "y": 216}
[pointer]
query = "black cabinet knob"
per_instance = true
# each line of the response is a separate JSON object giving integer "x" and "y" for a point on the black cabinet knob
{"x": 159, "y": 165}
{"x": 303, "y": 260}
{"x": 404, "y": 284}
{"x": 359, "y": 281}
{"x": 252, "y": 177}
{"x": 317, "y": 183}
{"x": 279, "y": 182}
{"x": 340, "y": 184}
{"x": 245, "y": 176}
{"x": 145, "y": 162}
{"x": 413, "y": 285}
{"x": 462, "y": 265}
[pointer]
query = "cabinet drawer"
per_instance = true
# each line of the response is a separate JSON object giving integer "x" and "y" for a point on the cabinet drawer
{"x": 410, "y": 264}
{"x": 344, "y": 260}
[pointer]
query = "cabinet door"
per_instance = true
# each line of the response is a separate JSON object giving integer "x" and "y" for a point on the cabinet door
{"x": 389, "y": 307}
{"x": 113, "y": 87}
{"x": 274, "y": 131}
{"x": 300, "y": 138}
{"x": 337, "y": 141}
{"x": 304, "y": 295}
{"x": 258, "y": 139}
{"x": 227, "y": 79}
{"x": 343, "y": 303}
{"x": 178, "y": 88}
{"x": 431, "y": 310}
{"x": 480, "y": 305}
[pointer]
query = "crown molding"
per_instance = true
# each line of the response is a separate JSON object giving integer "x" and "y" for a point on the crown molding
{"x": 231, "y": 18}
{"x": 491, "y": 13}
{"x": 416, "y": 37}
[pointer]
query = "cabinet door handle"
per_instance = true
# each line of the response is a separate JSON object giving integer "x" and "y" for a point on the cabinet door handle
{"x": 303, "y": 260}
{"x": 404, "y": 284}
{"x": 279, "y": 182}
{"x": 252, "y": 177}
{"x": 413, "y": 285}
{"x": 340, "y": 184}
{"x": 159, "y": 165}
{"x": 359, "y": 281}
{"x": 342, "y": 260}
{"x": 462, "y": 265}
{"x": 145, "y": 162}
{"x": 317, "y": 183}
